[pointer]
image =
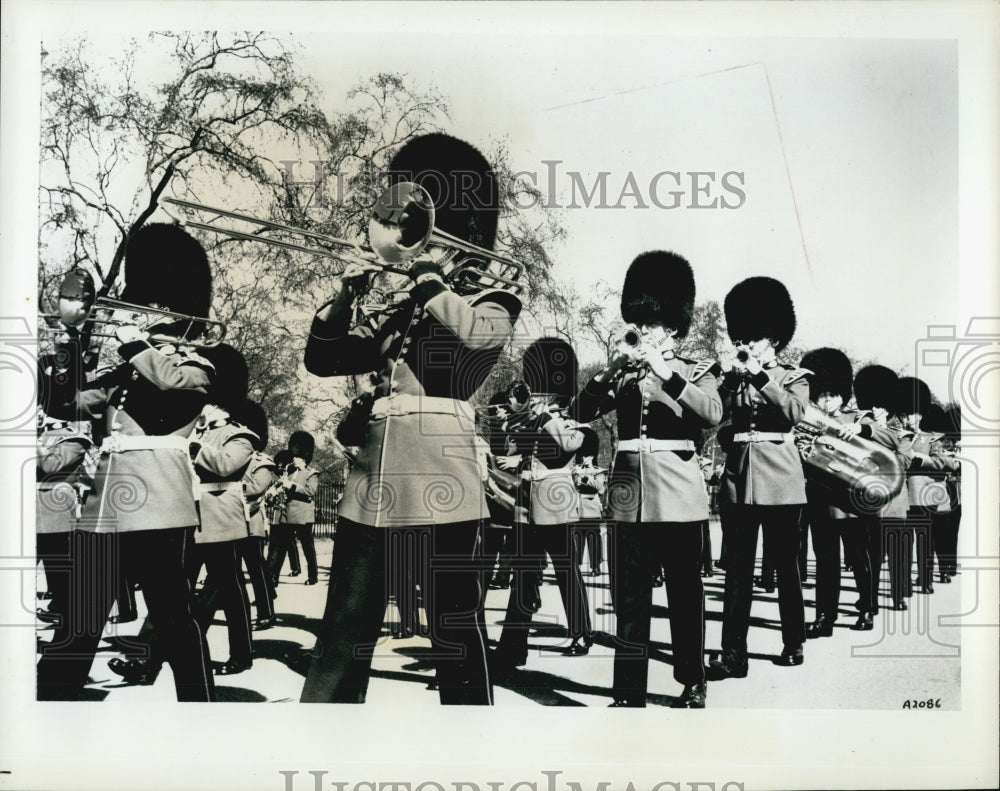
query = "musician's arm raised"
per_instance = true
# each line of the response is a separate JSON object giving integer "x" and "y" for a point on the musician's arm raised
{"x": 791, "y": 399}
{"x": 333, "y": 348}
{"x": 699, "y": 395}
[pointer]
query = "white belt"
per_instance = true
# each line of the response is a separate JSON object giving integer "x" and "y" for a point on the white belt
{"x": 646, "y": 445}
{"x": 221, "y": 486}
{"x": 409, "y": 404}
{"x": 537, "y": 475}
{"x": 763, "y": 436}
{"x": 119, "y": 443}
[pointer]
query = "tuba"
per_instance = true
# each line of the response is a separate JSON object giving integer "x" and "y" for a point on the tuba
{"x": 861, "y": 475}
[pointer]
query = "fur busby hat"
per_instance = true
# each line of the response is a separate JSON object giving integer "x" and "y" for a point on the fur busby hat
{"x": 252, "y": 415}
{"x": 876, "y": 385}
{"x": 934, "y": 419}
{"x": 760, "y": 307}
{"x": 549, "y": 368}
{"x": 659, "y": 287}
{"x": 458, "y": 179}
{"x": 231, "y": 379}
{"x": 831, "y": 373}
{"x": 953, "y": 422}
{"x": 591, "y": 443}
{"x": 167, "y": 266}
{"x": 304, "y": 443}
{"x": 914, "y": 396}
{"x": 283, "y": 458}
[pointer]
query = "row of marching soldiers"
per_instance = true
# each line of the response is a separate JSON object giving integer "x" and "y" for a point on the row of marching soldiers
{"x": 657, "y": 502}
{"x": 150, "y": 473}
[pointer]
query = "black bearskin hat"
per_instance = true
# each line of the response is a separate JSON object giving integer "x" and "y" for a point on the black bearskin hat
{"x": 251, "y": 414}
{"x": 591, "y": 443}
{"x": 283, "y": 458}
{"x": 831, "y": 373}
{"x": 165, "y": 265}
{"x": 760, "y": 307}
{"x": 304, "y": 442}
{"x": 549, "y": 368}
{"x": 659, "y": 287}
{"x": 231, "y": 379}
{"x": 876, "y": 385}
{"x": 934, "y": 419}
{"x": 914, "y": 395}
{"x": 458, "y": 179}
{"x": 953, "y": 422}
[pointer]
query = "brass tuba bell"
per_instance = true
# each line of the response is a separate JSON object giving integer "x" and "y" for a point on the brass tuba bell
{"x": 861, "y": 475}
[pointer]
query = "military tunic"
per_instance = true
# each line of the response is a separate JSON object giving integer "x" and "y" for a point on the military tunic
{"x": 221, "y": 462}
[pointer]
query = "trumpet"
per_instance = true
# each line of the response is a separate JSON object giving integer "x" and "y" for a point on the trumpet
{"x": 400, "y": 230}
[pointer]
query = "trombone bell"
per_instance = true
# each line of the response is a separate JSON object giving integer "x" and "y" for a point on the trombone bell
{"x": 402, "y": 223}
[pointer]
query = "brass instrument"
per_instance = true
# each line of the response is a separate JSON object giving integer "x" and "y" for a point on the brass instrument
{"x": 400, "y": 230}
{"x": 204, "y": 332}
{"x": 862, "y": 475}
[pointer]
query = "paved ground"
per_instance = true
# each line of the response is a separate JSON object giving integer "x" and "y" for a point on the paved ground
{"x": 909, "y": 656}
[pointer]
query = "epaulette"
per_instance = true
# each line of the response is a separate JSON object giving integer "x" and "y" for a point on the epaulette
{"x": 190, "y": 357}
{"x": 795, "y": 374}
{"x": 506, "y": 299}
{"x": 702, "y": 368}
{"x": 262, "y": 460}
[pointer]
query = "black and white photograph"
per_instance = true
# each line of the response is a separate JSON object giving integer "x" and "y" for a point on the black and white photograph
{"x": 491, "y": 366}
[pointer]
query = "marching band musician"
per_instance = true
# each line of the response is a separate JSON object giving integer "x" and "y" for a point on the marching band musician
{"x": 763, "y": 484}
{"x": 949, "y": 513}
{"x": 591, "y": 484}
{"x": 281, "y": 543}
{"x": 547, "y": 504}
{"x": 258, "y": 479}
{"x": 657, "y": 496}
{"x": 830, "y": 381}
{"x": 876, "y": 393}
{"x": 144, "y": 508}
{"x": 417, "y": 470}
{"x": 222, "y": 449}
{"x": 300, "y": 508}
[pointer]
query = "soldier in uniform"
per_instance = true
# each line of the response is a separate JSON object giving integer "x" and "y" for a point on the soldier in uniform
{"x": 547, "y": 504}
{"x": 591, "y": 484}
{"x": 763, "y": 483}
{"x": 657, "y": 496}
{"x": 417, "y": 469}
{"x": 300, "y": 506}
{"x": 876, "y": 392}
{"x": 144, "y": 508}
{"x": 830, "y": 378}
{"x": 258, "y": 479}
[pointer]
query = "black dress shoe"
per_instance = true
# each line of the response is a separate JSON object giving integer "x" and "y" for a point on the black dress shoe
{"x": 819, "y": 628}
{"x": 791, "y": 656}
{"x": 126, "y": 618}
{"x": 864, "y": 623}
{"x": 693, "y": 697}
{"x": 945, "y": 579}
{"x": 294, "y": 573}
{"x": 232, "y": 667}
{"x": 134, "y": 671}
{"x": 900, "y": 604}
{"x": 732, "y": 665}
{"x": 311, "y": 581}
{"x": 403, "y": 634}
{"x": 580, "y": 646}
{"x": 928, "y": 588}
{"x": 625, "y": 704}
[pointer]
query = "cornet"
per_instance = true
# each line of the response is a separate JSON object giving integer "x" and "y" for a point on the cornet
{"x": 400, "y": 229}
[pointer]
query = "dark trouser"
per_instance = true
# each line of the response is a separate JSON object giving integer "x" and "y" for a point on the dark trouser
{"x": 587, "y": 535}
{"x": 804, "y": 545}
{"x": 781, "y": 540}
{"x": 356, "y": 600}
{"x": 643, "y": 548}
{"x": 706, "y": 548}
{"x": 534, "y": 542}
{"x": 827, "y": 534}
{"x": 403, "y": 578}
{"x": 945, "y": 528}
{"x": 54, "y": 552}
{"x": 223, "y": 588}
{"x": 304, "y": 533}
{"x": 920, "y": 519}
{"x": 281, "y": 544}
{"x": 251, "y": 552}
{"x": 871, "y": 527}
{"x": 898, "y": 537}
{"x": 154, "y": 559}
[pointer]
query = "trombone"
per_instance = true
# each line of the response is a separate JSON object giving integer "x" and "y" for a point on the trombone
{"x": 190, "y": 331}
{"x": 400, "y": 229}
